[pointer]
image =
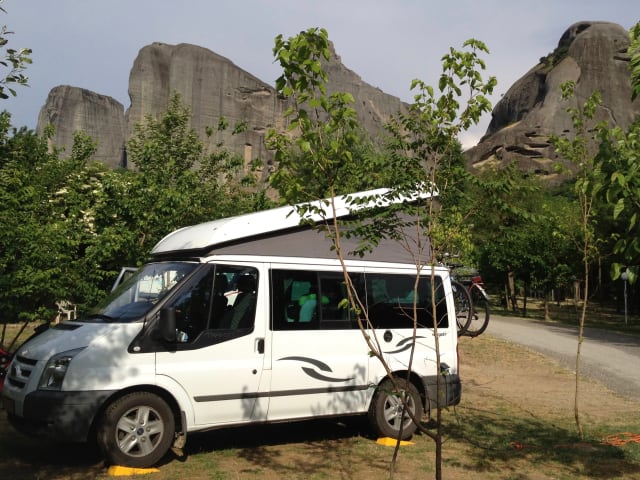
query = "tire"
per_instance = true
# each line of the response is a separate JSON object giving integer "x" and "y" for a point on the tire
{"x": 481, "y": 309}
{"x": 462, "y": 304}
{"x": 136, "y": 430}
{"x": 385, "y": 411}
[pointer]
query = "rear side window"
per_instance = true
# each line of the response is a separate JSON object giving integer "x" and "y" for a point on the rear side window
{"x": 391, "y": 300}
{"x": 304, "y": 300}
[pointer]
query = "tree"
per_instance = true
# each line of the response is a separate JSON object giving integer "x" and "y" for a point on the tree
{"x": 176, "y": 183}
{"x": 322, "y": 129}
{"x": 618, "y": 162}
{"x": 70, "y": 224}
{"x": 44, "y": 226}
{"x": 529, "y": 213}
{"x": 587, "y": 185}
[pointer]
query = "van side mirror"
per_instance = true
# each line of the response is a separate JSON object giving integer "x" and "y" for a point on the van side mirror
{"x": 167, "y": 324}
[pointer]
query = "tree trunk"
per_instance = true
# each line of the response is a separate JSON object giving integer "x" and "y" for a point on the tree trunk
{"x": 512, "y": 291}
{"x": 547, "y": 316}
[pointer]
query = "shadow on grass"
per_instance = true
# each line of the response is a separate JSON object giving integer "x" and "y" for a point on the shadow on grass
{"x": 500, "y": 443}
{"x": 24, "y": 458}
{"x": 318, "y": 445}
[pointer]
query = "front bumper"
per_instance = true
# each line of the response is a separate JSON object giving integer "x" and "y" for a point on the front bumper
{"x": 63, "y": 416}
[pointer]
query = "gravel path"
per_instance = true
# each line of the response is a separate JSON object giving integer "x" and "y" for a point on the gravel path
{"x": 609, "y": 357}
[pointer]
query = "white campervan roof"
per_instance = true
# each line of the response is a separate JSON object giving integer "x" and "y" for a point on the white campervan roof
{"x": 225, "y": 230}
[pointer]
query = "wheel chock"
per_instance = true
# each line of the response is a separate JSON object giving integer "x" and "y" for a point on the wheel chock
{"x": 391, "y": 442}
{"x": 119, "y": 471}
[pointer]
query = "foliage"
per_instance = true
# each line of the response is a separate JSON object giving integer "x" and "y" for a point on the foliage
{"x": 618, "y": 163}
{"x": 176, "y": 184}
{"x": 14, "y": 63}
{"x": 322, "y": 128}
{"x": 44, "y": 223}
{"x": 533, "y": 237}
{"x": 70, "y": 224}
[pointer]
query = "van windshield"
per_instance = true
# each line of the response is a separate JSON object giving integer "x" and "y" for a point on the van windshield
{"x": 140, "y": 293}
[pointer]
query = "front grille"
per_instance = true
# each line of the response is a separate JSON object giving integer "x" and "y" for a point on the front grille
{"x": 20, "y": 371}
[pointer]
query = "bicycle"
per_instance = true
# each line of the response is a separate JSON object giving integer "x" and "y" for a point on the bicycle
{"x": 480, "y": 302}
{"x": 463, "y": 306}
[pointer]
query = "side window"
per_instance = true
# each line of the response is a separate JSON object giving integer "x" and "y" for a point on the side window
{"x": 219, "y": 297}
{"x": 193, "y": 305}
{"x": 294, "y": 299}
{"x": 303, "y": 300}
{"x": 235, "y": 298}
{"x": 390, "y": 301}
{"x": 335, "y": 312}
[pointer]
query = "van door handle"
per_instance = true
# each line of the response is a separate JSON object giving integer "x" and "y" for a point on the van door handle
{"x": 260, "y": 345}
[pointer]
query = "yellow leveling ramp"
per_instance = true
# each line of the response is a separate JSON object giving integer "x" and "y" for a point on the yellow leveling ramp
{"x": 118, "y": 471}
{"x": 391, "y": 442}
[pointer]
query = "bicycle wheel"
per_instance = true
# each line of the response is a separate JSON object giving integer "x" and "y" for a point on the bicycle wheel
{"x": 480, "y": 316}
{"x": 462, "y": 303}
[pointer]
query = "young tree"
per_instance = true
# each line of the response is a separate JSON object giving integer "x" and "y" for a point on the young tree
{"x": 577, "y": 150}
{"x": 322, "y": 129}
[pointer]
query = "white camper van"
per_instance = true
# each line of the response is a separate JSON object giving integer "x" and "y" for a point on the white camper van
{"x": 238, "y": 321}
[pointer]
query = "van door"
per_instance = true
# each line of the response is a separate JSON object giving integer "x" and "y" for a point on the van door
{"x": 319, "y": 360}
{"x": 219, "y": 360}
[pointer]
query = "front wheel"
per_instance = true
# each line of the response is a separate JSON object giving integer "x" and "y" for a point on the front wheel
{"x": 387, "y": 412}
{"x": 136, "y": 430}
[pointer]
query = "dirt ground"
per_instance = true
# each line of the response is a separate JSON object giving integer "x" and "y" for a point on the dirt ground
{"x": 516, "y": 422}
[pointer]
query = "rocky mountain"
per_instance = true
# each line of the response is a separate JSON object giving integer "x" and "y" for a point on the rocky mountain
{"x": 593, "y": 55}
{"x": 212, "y": 87}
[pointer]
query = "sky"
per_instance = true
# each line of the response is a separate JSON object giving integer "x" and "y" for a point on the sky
{"x": 92, "y": 44}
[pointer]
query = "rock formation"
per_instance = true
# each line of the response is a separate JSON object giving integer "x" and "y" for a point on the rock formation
{"x": 593, "y": 55}
{"x": 212, "y": 87}
{"x": 70, "y": 109}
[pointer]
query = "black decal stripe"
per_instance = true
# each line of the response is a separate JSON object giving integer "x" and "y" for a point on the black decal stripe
{"x": 313, "y": 374}
{"x": 321, "y": 365}
{"x": 408, "y": 339}
{"x": 399, "y": 350}
{"x": 281, "y": 393}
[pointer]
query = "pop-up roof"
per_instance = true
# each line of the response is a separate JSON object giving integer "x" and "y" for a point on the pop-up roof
{"x": 275, "y": 231}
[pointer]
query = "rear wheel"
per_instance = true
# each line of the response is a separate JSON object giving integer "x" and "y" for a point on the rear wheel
{"x": 462, "y": 304}
{"x": 480, "y": 317}
{"x": 387, "y": 409}
{"x": 136, "y": 430}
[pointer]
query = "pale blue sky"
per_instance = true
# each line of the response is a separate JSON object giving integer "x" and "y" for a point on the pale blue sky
{"x": 92, "y": 44}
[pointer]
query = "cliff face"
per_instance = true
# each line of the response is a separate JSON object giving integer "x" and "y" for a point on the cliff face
{"x": 591, "y": 54}
{"x": 212, "y": 87}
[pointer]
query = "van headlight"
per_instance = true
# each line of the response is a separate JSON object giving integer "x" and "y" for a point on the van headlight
{"x": 56, "y": 369}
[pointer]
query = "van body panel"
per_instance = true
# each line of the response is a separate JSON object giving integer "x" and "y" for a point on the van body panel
{"x": 318, "y": 373}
